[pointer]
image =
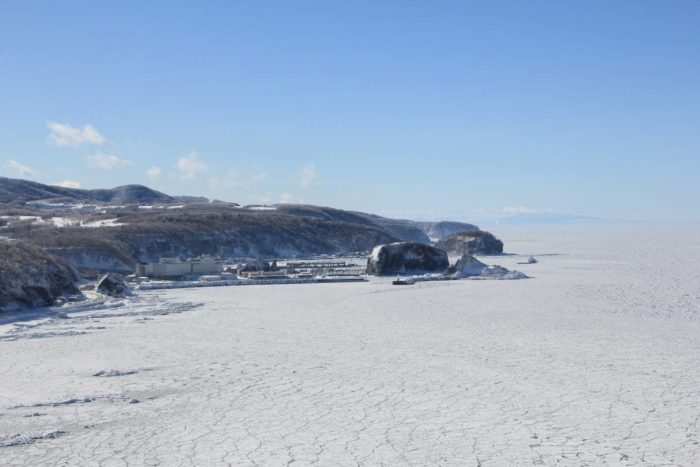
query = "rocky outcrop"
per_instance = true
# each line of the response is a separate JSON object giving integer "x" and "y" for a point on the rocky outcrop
{"x": 30, "y": 278}
{"x": 473, "y": 243}
{"x": 468, "y": 266}
{"x": 112, "y": 285}
{"x": 406, "y": 258}
{"x": 499, "y": 272}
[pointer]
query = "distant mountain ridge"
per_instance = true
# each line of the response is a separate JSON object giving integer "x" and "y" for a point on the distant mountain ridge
{"x": 536, "y": 218}
{"x": 17, "y": 191}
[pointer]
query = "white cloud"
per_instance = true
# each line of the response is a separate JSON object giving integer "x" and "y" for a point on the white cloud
{"x": 286, "y": 198}
{"x": 153, "y": 172}
{"x": 62, "y": 134}
{"x": 106, "y": 161}
{"x": 191, "y": 166}
{"x": 68, "y": 184}
{"x": 20, "y": 169}
{"x": 264, "y": 198}
{"x": 308, "y": 176}
{"x": 518, "y": 210}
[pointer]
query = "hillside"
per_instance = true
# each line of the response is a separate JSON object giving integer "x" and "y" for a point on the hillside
{"x": 223, "y": 230}
{"x": 17, "y": 191}
{"x": 404, "y": 229}
{"x": 29, "y": 277}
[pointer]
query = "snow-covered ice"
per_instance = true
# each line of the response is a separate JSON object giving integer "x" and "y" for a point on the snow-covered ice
{"x": 595, "y": 360}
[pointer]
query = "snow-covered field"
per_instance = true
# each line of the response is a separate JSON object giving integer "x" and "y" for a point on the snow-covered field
{"x": 596, "y": 360}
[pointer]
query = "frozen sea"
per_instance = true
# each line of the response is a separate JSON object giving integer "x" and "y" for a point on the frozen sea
{"x": 593, "y": 361}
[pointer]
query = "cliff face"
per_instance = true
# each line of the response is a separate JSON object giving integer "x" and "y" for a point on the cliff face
{"x": 406, "y": 258}
{"x": 439, "y": 230}
{"x": 97, "y": 258}
{"x": 472, "y": 243}
{"x": 403, "y": 229}
{"x": 31, "y": 278}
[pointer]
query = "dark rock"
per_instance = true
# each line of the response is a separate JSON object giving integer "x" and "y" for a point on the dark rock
{"x": 472, "y": 243}
{"x": 112, "y": 285}
{"x": 406, "y": 257}
{"x": 468, "y": 266}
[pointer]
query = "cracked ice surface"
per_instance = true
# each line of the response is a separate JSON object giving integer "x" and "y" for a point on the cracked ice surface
{"x": 596, "y": 360}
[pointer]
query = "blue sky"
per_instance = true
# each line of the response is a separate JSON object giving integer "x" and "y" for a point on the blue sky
{"x": 461, "y": 110}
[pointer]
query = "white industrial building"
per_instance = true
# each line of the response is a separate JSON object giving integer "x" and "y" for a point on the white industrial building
{"x": 176, "y": 268}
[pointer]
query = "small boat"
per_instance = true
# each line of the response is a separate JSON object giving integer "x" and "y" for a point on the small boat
{"x": 400, "y": 281}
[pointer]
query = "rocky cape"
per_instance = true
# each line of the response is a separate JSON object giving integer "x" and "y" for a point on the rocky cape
{"x": 469, "y": 267}
{"x": 475, "y": 242}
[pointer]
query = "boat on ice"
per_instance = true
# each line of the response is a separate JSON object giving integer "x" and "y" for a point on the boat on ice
{"x": 400, "y": 281}
{"x": 530, "y": 260}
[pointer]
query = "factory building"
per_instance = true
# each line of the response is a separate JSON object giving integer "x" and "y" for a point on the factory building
{"x": 174, "y": 268}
